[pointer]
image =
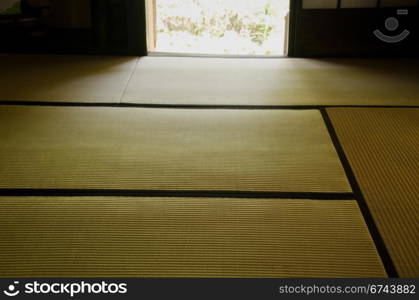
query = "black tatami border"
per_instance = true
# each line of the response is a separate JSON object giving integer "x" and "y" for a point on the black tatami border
{"x": 359, "y": 197}
{"x": 175, "y": 193}
{"x": 191, "y": 106}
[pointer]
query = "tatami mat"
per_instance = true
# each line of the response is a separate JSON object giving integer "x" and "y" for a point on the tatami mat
{"x": 64, "y": 78}
{"x": 154, "y": 149}
{"x": 208, "y": 81}
{"x": 382, "y": 146}
{"x": 176, "y": 237}
{"x": 232, "y": 81}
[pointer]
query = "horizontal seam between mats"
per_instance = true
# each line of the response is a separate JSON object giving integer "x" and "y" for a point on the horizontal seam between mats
{"x": 192, "y": 106}
{"x": 176, "y": 193}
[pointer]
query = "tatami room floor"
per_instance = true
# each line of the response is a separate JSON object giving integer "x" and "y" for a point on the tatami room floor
{"x": 208, "y": 167}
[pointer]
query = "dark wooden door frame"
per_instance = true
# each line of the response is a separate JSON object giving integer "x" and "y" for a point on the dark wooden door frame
{"x": 120, "y": 26}
{"x": 295, "y": 7}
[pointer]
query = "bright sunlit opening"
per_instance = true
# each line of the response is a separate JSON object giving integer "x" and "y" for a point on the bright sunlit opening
{"x": 231, "y": 27}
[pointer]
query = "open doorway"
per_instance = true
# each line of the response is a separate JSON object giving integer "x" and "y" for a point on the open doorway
{"x": 218, "y": 27}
